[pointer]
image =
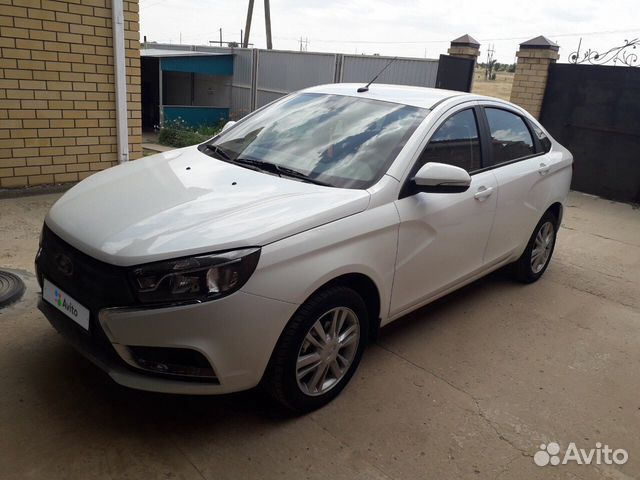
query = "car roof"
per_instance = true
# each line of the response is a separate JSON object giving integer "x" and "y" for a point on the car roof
{"x": 422, "y": 97}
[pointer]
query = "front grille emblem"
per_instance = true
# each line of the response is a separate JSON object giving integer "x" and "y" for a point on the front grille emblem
{"x": 64, "y": 264}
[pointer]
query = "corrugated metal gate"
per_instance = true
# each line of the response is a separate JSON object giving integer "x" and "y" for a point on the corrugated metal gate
{"x": 595, "y": 112}
{"x": 455, "y": 73}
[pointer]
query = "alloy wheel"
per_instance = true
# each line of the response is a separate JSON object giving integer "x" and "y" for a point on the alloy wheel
{"x": 542, "y": 247}
{"x": 327, "y": 351}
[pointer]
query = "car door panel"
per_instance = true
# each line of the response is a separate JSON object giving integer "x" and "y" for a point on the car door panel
{"x": 522, "y": 197}
{"x": 442, "y": 239}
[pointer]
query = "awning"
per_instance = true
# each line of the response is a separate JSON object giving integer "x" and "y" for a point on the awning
{"x": 209, "y": 63}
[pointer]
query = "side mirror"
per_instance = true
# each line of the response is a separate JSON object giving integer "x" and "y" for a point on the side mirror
{"x": 228, "y": 125}
{"x": 441, "y": 178}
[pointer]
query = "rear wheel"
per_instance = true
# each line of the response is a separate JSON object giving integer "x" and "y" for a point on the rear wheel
{"x": 319, "y": 350}
{"x": 537, "y": 255}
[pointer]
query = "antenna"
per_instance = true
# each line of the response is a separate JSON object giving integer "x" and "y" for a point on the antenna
{"x": 366, "y": 87}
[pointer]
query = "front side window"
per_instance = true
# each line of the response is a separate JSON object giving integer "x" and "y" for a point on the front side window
{"x": 456, "y": 142}
{"x": 339, "y": 140}
{"x": 510, "y": 137}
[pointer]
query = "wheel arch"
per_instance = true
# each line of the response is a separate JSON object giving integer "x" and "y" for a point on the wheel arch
{"x": 361, "y": 284}
{"x": 364, "y": 286}
{"x": 557, "y": 210}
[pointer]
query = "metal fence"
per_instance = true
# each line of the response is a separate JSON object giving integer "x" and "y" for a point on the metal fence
{"x": 261, "y": 76}
{"x": 280, "y": 72}
{"x": 404, "y": 71}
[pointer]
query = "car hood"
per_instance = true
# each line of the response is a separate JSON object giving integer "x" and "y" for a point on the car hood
{"x": 184, "y": 202}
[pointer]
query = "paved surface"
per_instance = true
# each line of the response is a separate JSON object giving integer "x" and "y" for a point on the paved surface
{"x": 467, "y": 388}
{"x": 156, "y": 148}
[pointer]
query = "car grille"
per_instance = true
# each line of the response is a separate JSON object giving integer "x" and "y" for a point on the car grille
{"x": 93, "y": 283}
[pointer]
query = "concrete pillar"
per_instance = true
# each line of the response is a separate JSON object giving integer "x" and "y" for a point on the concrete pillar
{"x": 532, "y": 70}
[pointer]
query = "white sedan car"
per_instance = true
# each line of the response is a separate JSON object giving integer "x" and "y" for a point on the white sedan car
{"x": 274, "y": 252}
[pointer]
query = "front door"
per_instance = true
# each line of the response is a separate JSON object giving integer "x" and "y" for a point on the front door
{"x": 443, "y": 236}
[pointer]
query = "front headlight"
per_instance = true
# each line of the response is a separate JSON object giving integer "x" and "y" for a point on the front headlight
{"x": 202, "y": 277}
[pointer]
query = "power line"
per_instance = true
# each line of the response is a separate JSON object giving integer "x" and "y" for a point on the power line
{"x": 419, "y": 42}
{"x": 416, "y": 42}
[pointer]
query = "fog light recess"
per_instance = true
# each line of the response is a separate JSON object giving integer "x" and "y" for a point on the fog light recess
{"x": 182, "y": 362}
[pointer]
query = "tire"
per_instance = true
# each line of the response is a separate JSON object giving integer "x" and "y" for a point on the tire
{"x": 525, "y": 269}
{"x": 300, "y": 342}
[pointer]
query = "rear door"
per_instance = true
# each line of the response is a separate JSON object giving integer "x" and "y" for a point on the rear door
{"x": 520, "y": 161}
{"x": 442, "y": 236}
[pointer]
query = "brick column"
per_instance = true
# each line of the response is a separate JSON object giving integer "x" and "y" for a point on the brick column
{"x": 465, "y": 47}
{"x": 532, "y": 70}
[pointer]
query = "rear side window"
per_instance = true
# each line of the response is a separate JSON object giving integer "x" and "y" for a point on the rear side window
{"x": 456, "y": 142}
{"x": 510, "y": 137}
{"x": 544, "y": 140}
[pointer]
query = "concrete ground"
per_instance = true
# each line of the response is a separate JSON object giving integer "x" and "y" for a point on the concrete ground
{"x": 467, "y": 388}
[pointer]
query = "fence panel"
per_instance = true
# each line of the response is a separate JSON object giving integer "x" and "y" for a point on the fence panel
{"x": 281, "y": 72}
{"x": 403, "y": 71}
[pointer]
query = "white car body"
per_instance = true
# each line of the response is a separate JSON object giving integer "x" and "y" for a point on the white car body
{"x": 413, "y": 249}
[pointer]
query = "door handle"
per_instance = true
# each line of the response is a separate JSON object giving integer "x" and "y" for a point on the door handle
{"x": 544, "y": 169}
{"x": 483, "y": 193}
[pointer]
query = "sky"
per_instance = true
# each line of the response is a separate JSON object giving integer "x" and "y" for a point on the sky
{"x": 408, "y": 28}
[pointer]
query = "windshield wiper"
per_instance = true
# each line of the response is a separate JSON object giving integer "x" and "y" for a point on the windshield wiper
{"x": 280, "y": 170}
{"x": 218, "y": 151}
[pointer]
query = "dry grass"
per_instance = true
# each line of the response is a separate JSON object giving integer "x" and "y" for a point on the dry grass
{"x": 500, "y": 87}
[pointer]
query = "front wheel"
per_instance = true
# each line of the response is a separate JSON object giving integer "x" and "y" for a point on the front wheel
{"x": 537, "y": 255}
{"x": 319, "y": 350}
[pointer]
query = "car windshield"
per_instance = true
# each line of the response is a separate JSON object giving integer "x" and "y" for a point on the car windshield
{"x": 336, "y": 140}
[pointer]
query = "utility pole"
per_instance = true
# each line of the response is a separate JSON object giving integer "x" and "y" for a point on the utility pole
{"x": 219, "y": 42}
{"x": 490, "y": 63}
{"x": 247, "y": 28}
{"x": 267, "y": 23}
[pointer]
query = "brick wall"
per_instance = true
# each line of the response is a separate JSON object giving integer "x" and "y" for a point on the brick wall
{"x": 57, "y": 90}
{"x": 530, "y": 79}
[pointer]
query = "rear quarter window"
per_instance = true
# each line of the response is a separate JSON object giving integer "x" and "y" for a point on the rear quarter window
{"x": 544, "y": 140}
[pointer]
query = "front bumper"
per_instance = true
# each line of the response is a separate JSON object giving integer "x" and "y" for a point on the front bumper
{"x": 236, "y": 334}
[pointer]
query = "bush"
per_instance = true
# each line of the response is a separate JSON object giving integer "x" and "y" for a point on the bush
{"x": 176, "y": 133}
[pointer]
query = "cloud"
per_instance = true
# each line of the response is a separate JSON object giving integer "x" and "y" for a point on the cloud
{"x": 371, "y": 26}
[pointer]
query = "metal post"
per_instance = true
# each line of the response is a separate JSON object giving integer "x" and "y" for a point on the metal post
{"x": 247, "y": 28}
{"x": 120, "y": 74}
{"x": 254, "y": 78}
{"x": 267, "y": 23}
{"x": 160, "y": 106}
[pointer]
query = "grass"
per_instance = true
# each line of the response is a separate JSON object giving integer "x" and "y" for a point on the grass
{"x": 499, "y": 88}
{"x": 176, "y": 133}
